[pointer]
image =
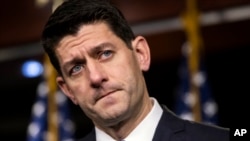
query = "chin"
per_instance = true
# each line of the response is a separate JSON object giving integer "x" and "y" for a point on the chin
{"x": 115, "y": 115}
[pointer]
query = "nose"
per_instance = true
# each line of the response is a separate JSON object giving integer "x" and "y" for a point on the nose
{"x": 97, "y": 74}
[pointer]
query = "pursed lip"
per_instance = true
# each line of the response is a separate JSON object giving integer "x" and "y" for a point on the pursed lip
{"x": 106, "y": 94}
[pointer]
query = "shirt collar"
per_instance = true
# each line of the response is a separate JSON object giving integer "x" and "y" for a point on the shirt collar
{"x": 147, "y": 126}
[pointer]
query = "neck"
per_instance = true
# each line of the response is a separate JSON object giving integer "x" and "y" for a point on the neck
{"x": 124, "y": 128}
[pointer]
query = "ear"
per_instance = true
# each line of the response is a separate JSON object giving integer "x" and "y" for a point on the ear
{"x": 142, "y": 52}
{"x": 66, "y": 90}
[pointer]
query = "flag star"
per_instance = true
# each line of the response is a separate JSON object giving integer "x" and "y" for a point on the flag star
{"x": 42, "y": 89}
{"x": 210, "y": 108}
{"x": 60, "y": 98}
{"x": 33, "y": 129}
{"x": 187, "y": 116}
{"x": 39, "y": 109}
{"x": 199, "y": 79}
{"x": 189, "y": 99}
{"x": 68, "y": 126}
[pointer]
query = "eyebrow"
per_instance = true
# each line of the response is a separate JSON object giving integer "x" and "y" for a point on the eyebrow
{"x": 99, "y": 48}
{"x": 67, "y": 64}
{"x": 93, "y": 51}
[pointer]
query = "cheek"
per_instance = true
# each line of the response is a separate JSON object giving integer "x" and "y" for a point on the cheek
{"x": 125, "y": 66}
{"x": 80, "y": 92}
{"x": 121, "y": 74}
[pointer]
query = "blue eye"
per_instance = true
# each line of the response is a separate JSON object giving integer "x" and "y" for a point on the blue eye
{"x": 106, "y": 54}
{"x": 76, "y": 68}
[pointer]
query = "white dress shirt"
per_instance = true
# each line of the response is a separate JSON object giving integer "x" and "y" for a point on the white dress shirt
{"x": 144, "y": 131}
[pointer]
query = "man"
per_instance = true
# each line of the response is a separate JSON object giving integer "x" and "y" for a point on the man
{"x": 100, "y": 66}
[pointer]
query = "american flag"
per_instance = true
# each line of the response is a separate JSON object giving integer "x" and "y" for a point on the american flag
{"x": 38, "y": 127}
{"x": 184, "y": 98}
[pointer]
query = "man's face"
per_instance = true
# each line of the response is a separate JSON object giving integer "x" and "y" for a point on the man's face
{"x": 101, "y": 74}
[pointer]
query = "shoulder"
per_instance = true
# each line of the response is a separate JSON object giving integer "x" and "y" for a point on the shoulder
{"x": 206, "y": 131}
{"x": 193, "y": 130}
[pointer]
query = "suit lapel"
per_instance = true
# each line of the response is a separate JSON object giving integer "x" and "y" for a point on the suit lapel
{"x": 169, "y": 128}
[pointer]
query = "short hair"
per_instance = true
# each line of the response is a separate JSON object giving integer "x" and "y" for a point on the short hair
{"x": 72, "y": 14}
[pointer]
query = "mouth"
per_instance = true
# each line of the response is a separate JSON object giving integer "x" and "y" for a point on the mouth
{"x": 105, "y": 95}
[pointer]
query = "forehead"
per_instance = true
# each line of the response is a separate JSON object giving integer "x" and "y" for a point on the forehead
{"x": 88, "y": 37}
{"x": 87, "y": 33}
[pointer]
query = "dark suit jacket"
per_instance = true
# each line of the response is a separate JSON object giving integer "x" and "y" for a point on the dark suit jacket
{"x": 172, "y": 128}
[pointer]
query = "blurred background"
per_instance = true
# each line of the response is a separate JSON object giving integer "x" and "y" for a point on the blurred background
{"x": 224, "y": 28}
